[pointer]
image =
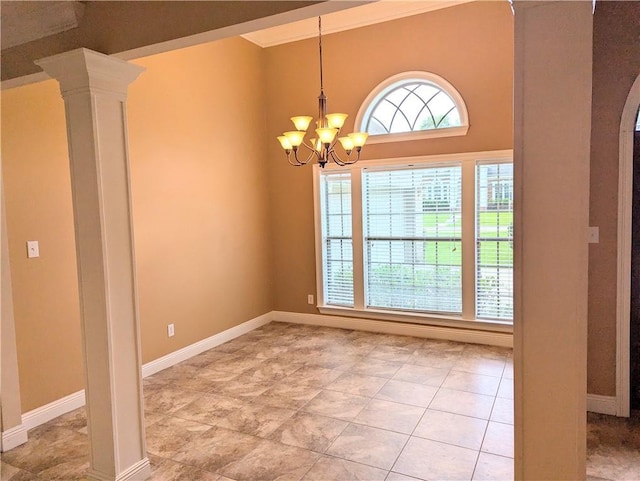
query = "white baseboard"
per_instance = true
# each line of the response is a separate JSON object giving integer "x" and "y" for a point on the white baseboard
{"x": 73, "y": 401}
{"x": 13, "y": 437}
{"x": 400, "y": 328}
{"x": 204, "y": 345}
{"x": 66, "y": 404}
{"x": 140, "y": 470}
{"x": 46, "y": 413}
{"x": 18, "y": 435}
{"x": 602, "y": 404}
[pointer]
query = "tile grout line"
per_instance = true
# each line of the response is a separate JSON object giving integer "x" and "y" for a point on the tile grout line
{"x": 414, "y": 429}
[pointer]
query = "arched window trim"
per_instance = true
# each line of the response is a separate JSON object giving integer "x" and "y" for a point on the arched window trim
{"x": 389, "y": 84}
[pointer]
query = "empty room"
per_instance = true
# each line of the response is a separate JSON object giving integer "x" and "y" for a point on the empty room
{"x": 312, "y": 240}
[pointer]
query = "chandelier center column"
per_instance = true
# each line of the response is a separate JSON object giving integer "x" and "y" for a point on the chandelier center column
{"x": 94, "y": 88}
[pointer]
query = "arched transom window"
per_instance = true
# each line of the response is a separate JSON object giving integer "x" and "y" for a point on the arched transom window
{"x": 413, "y": 105}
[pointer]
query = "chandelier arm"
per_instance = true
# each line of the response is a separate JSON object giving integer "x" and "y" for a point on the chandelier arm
{"x": 295, "y": 162}
{"x": 313, "y": 152}
{"x": 353, "y": 161}
{"x": 348, "y": 161}
{"x": 307, "y": 160}
{"x": 336, "y": 158}
{"x": 335, "y": 141}
{"x": 308, "y": 145}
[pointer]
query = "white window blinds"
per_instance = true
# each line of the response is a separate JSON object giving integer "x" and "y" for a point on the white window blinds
{"x": 494, "y": 241}
{"x": 412, "y": 238}
{"x": 337, "y": 243}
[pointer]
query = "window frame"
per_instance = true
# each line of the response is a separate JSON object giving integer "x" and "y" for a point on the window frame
{"x": 467, "y": 319}
{"x": 479, "y": 238}
{"x": 325, "y": 235}
{"x": 391, "y": 83}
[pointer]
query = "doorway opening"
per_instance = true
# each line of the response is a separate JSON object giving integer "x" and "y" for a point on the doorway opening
{"x": 628, "y": 301}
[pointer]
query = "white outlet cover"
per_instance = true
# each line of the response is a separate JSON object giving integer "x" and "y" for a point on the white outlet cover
{"x": 33, "y": 249}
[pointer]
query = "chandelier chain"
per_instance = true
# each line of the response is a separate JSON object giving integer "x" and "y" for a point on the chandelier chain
{"x": 320, "y": 48}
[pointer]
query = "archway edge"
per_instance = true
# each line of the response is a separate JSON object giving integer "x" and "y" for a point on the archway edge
{"x": 625, "y": 198}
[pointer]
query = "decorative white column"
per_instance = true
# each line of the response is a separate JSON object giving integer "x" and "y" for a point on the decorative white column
{"x": 94, "y": 88}
{"x": 552, "y": 129}
{"x": 13, "y": 431}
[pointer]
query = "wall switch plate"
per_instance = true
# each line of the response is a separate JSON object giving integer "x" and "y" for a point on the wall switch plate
{"x": 310, "y": 298}
{"x": 33, "y": 249}
{"x": 594, "y": 235}
{"x": 171, "y": 330}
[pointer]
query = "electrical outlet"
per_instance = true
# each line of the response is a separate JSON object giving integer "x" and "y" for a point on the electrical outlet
{"x": 310, "y": 298}
{"x": 33, "y": 249}
{"x": 170, "y": 330}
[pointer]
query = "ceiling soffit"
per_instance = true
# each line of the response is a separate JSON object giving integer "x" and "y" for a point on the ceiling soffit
{"x": 133, "y": 29}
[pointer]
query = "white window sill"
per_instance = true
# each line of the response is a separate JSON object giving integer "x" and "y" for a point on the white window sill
{"x": 418, "y": 135}
{"x": 420, "y": 318}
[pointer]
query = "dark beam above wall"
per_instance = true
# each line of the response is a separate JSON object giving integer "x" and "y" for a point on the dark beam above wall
{"x": 115, "y": 27}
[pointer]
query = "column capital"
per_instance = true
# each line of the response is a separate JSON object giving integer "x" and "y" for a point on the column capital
{"x": 83, "y": 70}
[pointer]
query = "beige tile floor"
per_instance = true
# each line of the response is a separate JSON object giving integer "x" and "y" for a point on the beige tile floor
{"x": 292, "y": 402}
{"x": 613, "y": 447}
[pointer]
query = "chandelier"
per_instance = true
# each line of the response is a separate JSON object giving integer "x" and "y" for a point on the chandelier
{"x": 327, "y": 130}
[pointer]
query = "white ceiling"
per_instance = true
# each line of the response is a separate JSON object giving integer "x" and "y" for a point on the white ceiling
{"x": 359, "y": 16}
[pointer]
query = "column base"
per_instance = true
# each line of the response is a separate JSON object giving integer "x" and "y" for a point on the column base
{"x": 13, "y": 437}
{"x": 138, "y": 472}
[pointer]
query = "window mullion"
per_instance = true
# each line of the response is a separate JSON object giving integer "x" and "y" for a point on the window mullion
{"x": 468, "y": 241}
{"x": 318, "y": 209}
{"x": 357, "y": 238}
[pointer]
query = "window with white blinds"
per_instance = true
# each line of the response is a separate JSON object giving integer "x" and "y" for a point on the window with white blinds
{"x": 337, "y": 243}
{"x": 494, "y": 241}
{"x": 412, "y": 239}
{"x": 431, "y": 236}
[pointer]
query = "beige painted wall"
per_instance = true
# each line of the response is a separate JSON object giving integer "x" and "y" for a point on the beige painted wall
{"x": 471, "y": 46}
{"x": 196, "y": 136}
{"x": 616, "y": 56}
{"x": 38, "y": 202}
